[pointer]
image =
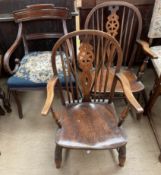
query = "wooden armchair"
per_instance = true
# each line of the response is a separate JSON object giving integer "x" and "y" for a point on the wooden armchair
{"x": 33, "y": 70}
{"x": 88, "y": 121}
{"x": 123, "y": 21}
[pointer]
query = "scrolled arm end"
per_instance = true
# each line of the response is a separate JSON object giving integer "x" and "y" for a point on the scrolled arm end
{"x": 146, "y": 49}
{"x": 128, "y": 93}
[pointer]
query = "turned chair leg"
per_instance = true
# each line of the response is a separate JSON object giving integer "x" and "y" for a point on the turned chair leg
{"x": 2, "y": 112}
{"x": 153, "y": 97}
{"x": 58, "y": 156}
{"x": 19, "y": 106}
{"x": 5, "y": 102}
{"x": 122, "y": 155}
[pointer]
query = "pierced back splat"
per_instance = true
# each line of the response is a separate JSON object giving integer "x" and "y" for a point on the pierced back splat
{"x": 85, "y": 60}
{"x": 121, "y": 20}
{"x": 91, "y": 51}
{"x": 112, "y": 24}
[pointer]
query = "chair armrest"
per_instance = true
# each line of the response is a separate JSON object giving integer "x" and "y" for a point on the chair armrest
{"x": 128, "y": 93}
{"x": 10, "y": 51}
{"x": 146, "y": 49}
{"x": 50, "y": 95}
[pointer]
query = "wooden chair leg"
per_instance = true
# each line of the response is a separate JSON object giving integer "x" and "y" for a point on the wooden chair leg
{"x": 123, "y": 115}
{"x": 153, "y": 97}
{"x": 19, "y": 106}
{"x": 58, "y": 156}
{"x": 144, "y": 97}
{"x": 2, "y": 112}
{"x": 122, "y": 155}
{"x": 5, "y": 102}
{"x": 159, "y": 157}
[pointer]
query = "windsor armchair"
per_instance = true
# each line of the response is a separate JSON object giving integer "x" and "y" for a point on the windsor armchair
{"x": 85, "y": 121}
{"x": 122, "y": 21}
{"x": 33, "y": 70}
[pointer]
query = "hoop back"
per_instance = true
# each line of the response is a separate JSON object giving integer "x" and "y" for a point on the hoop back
{"x": 121, "y": 20}
{"x": 95, "y": 51}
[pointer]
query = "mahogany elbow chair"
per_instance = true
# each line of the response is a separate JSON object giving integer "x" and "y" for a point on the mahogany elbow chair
{"x": 33, "y": 70}
{"x": 88, "y": 121}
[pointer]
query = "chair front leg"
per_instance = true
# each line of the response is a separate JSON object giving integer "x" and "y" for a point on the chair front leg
{"x": 122, "y": 155}
{"x": 123, "y": 115}
{"x": 18, "y": 103}
{"x": 2, "y": 112}
{"x": 153, "y": 97}
{"x": 5, "y": 101}
{"x": 58, "y": 156}
{"x": 142, "y": 69}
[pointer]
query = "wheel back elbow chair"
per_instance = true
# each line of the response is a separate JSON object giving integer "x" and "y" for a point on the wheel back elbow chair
{"x": 34, "y": 70}
{"x": 123, "y": 21}
{"x": 88, "y": 121}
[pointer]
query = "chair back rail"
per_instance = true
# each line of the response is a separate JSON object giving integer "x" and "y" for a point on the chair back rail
{"x": 84, "y": 56}
{"x": 120, "y": 19}
{"x": 36, "y": 14}
{"x": 40, "y": 15}
{"x": 29, "y": 14}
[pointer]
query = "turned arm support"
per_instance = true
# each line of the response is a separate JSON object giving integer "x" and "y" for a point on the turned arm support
{"x": 10, "y": 51}
{"x": 128, "y": 93}
{"x": 146, "y": 49}
{"x": 50, "y": 95}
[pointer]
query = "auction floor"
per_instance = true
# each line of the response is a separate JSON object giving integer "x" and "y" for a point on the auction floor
{"x": 27, "y": 145}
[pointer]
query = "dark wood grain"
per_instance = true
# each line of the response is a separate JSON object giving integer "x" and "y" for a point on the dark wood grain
{"x": 90, "y": 126}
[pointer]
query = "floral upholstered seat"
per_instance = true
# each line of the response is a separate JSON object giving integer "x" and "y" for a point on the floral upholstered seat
{"x": 35, "y": 70}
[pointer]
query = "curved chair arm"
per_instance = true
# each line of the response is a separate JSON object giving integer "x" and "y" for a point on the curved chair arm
{"x": 50, "y": 95}
{"x": 146, "y": 49}
{"x": 128, "y": 93}
{"x": 10, "y": 51}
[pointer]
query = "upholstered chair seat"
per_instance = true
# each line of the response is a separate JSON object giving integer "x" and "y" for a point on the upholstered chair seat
{"x": 35, "y": 70}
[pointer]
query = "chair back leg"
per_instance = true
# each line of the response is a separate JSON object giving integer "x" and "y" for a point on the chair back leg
{"x": 18, "y": 103}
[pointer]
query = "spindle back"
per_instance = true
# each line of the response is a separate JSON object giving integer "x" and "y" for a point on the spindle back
{"x": 84, "y": 55}
{"x": 121, "y": 20}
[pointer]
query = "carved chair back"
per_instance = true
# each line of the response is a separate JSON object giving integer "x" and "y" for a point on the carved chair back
{"x": 95, "y": 51}
{"x": 43, "y": 15}
{"x": 121, "y": 20}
